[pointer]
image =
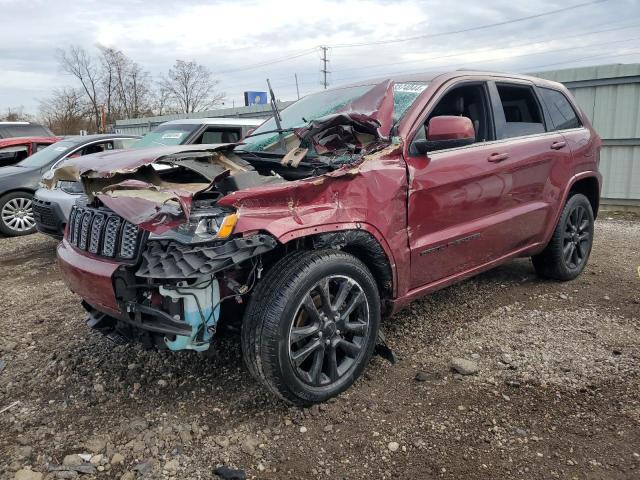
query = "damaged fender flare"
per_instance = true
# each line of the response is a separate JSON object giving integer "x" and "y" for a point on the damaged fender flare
{"x": 359, "y": 239}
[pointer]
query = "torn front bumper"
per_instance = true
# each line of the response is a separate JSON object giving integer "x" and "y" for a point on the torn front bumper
{"x": 173, "y": 295}
{"x": 89, "y": 277}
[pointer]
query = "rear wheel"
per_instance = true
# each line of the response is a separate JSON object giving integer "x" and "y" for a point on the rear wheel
{"x": 567, "y": 253}
{"x": 16, "y": 214}
{"x": 311, "y": 325}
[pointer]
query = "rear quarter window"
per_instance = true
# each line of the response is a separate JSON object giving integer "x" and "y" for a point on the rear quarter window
{"x": 562, "y": 114}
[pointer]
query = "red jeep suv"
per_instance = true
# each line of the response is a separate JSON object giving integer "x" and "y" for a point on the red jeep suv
{"x": 336, "y": 212}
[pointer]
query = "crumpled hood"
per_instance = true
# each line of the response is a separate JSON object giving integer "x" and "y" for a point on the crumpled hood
{"x": 108, "y": 164}
{"x": 126, "y": 183}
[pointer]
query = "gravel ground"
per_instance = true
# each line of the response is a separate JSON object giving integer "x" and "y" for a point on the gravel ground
{"x": 554, "y": 391}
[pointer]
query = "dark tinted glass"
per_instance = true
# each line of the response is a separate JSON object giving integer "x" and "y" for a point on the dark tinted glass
{"x": 562, "y": 113}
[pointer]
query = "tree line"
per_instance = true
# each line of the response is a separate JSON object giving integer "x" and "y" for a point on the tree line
{"x": 109, "y": 85}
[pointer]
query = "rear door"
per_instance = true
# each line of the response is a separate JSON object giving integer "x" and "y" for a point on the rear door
{"x": 533, "y": 153}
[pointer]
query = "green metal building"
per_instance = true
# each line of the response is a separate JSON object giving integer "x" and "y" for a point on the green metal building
{"x": 610, "y": 96}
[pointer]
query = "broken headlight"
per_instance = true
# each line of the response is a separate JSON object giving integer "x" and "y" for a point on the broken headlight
{"x": 73, "y": 188}
{"x": 202, "y": 226}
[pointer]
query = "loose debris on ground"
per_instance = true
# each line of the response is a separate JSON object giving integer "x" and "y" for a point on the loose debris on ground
{"x": 502, "y": 376}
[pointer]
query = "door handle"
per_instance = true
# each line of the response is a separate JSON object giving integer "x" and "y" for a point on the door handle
{"x": 497, "y": 157}
{"x": 558, "y": 145}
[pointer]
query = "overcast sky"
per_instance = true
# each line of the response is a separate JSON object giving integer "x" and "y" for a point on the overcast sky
{"x": 231, "y": 37}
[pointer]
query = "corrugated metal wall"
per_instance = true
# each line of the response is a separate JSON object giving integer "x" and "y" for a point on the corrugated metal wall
{"x": 610, "y": 96}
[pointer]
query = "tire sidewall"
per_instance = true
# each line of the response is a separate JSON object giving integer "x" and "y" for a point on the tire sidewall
{"x": 333, "y": 266}
{"x": 5, "y": 229}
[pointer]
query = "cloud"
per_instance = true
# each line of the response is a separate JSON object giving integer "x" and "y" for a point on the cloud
{"x": 229, "y": 36}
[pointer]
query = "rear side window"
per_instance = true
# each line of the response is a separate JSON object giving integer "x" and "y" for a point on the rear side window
{"x": 562, "y": 114}
{"x": 521, "y": 111}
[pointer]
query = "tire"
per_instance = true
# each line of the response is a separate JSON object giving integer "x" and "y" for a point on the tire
{"x": 289, "y": 348}
{"x": 568, "y": 251}
{"x": 16, "y": 214}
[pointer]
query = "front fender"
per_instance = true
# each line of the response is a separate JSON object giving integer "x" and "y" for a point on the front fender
{"x": 370, "y": 197}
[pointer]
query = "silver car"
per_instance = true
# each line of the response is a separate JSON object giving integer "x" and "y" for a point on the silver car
{"x": 52, "y": 207}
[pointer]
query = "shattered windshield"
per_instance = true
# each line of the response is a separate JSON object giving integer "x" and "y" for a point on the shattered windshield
{"x": 326, "y": 102}
{"x": 303, "y": 111}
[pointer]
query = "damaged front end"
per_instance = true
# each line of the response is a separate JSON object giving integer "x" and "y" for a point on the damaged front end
{"x": 173, "y": 249}
{"x": 167, "y": 238}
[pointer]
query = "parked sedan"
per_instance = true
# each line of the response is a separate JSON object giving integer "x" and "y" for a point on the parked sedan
{"x": 19, "y": 182}
{"x": 14, "y": 150}
{"x": 53, "y": 206}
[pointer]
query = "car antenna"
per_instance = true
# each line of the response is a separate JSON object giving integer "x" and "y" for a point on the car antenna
{"x": 276, "y": 116}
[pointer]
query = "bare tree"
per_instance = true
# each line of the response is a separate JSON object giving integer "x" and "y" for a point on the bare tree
{"x": 191, "y": 87}
{"x": 66, "y": 111}
{"x": 15, "y": 114}
{"x": 77, "y": 62}
{"x": 126, "y": 85}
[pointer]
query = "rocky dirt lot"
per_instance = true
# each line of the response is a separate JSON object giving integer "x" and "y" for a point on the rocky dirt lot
{"x": 554, "y": 393}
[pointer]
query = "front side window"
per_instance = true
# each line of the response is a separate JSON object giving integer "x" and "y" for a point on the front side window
{"x": 463, "y": 101}
{"x": 521, "y": 111}
{"x": 562, "y": 114}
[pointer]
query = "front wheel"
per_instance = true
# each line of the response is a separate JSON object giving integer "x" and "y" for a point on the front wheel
{"x": 311, "y": 325}
{"x": 567, "y": 253}
{"x": 16, "y": 214}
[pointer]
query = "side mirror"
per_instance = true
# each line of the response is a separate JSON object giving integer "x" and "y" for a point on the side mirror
{"x": 446, "y": 131}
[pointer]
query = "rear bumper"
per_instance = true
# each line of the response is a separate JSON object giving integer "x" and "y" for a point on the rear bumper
{"x": 89, "y": 277}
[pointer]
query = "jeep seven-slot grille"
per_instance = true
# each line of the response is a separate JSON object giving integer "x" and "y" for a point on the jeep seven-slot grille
{"x": 102, "y": 232}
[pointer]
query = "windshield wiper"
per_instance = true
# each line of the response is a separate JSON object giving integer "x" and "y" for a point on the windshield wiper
{"x": 277, "y": 117}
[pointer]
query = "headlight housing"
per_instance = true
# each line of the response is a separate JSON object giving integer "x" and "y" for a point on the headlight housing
{"x": 72, "y": 188}
{"x": 202, "y": 226}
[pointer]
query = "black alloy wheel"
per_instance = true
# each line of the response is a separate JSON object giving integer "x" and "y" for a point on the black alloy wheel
{"x": 329, "y": 330}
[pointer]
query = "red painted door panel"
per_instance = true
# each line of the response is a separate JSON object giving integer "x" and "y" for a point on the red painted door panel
{"x": 468, "y": 206}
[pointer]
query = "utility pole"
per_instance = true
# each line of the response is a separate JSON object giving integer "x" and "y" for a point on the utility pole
{"x": 324, "y": 65}
{"x": 297, "y": 88}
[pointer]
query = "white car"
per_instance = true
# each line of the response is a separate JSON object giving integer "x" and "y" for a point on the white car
{"x": 52, "y": 207}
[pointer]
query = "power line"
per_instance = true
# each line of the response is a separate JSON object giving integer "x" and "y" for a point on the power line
{"x": 485, "y": 49}
{"x": 608, "y": 55}
{"x": 440, "y": 67}
{"x": 470, "y": 29}
{"x": 467, "y": 52}
{"x": 270, "y": 62}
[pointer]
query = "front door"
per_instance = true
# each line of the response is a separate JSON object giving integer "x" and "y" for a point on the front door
{"x": 474, "y": 204}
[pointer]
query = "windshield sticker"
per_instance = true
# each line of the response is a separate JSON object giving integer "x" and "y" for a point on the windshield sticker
{"x": 174, "y": 135}
{"x": 60, "y": 149}
{"x": 410, "y": 87}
